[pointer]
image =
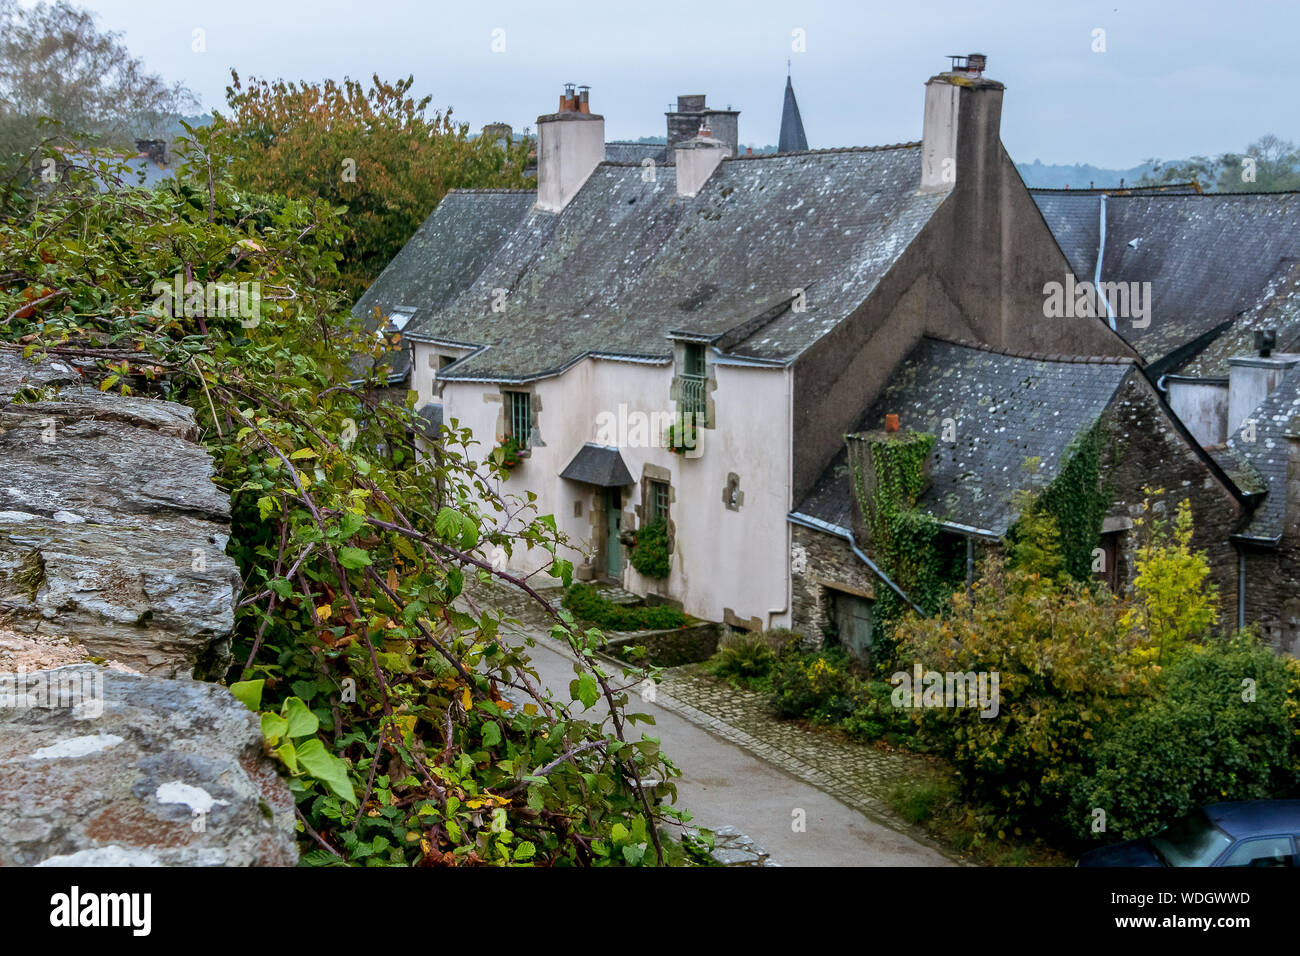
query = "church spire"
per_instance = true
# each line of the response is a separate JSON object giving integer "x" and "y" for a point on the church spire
{"x": 792, "y": 137}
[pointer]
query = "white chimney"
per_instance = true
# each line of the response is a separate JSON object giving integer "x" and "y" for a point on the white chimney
{"x": 570, "y": 145}
{"x": 944, "y": 95}
{"x": 696, "y": 159}
{"x": 1251, "y": 378}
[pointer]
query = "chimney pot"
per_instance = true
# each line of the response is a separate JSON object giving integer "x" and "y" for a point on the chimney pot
{"x": 1265, "y": 341}
{"x": 891, "y": 422}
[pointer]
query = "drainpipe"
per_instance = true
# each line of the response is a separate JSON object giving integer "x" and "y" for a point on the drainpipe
{"x": 818, "y": 525}
{"x": 970, "y": 563}
{"x": 789, "y": 484}
{"x": 1096, "y": 278}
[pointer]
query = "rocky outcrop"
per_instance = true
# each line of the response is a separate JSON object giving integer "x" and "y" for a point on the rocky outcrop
{"x": 112, "y": 550}
{"x": 105, "y": 768}
{"x": 111, "y": 529}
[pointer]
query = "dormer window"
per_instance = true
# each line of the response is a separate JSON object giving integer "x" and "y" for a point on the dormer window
{"x": 694, "y": 392}
{"x": 397, "y": 321}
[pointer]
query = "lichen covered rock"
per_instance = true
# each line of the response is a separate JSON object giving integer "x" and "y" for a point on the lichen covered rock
{"x": 111, "y": 528}
{"x": 102, "y": 767}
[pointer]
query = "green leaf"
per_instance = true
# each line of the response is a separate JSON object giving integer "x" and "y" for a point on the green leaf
{"x": 290, "y": 757}
{"x": 491, "y": 734}
{"x": 265, "y": 506}
{"x": 273, "y": 728}
{"x": 327, "y": 768}
{"x": 585, "y": 689}
{"x": 249, "y": 693}
{"x": 281, "y": 588}
{"x": 525, "y": 851}
{"x": 301, "y": 721}
{"x": 354, "y": 558}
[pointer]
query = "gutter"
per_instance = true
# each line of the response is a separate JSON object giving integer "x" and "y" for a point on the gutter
{"x": 789, "y": 477}
{"x": 808, "y": 521}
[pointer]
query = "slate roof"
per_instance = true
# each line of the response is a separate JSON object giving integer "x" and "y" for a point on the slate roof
{"x": 448, "y": 250}
{"x": 600, "y": 465}
{"x": 791, "y": 138}
{"x": 1007, "y": 409}
{"x": 1208, "y": 258}
{"x": 1267, "y": 454}
{"x": 637, "y": 152}
{"x": 628, "y": 261}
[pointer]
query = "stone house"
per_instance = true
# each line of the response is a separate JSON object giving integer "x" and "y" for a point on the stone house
{"x": 1007, "y": 422}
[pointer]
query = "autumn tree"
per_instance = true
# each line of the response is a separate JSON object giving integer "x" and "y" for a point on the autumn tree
{"x": 378, "y": 151}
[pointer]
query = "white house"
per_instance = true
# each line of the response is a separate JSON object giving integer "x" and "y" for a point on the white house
{"x": 772, "y": 296}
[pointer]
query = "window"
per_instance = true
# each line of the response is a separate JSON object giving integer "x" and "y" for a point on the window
{"x": 397, "y": 321}
{"x": 694, "y": 398}
{"x": 658, "y": 501}
{"x": 1269, "y": 851}
{"x": 519, "y": 417}
{"x": 445, "y": 360}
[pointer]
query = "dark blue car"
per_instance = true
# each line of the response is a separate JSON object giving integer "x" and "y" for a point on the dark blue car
{"x": 1245, "y": 833}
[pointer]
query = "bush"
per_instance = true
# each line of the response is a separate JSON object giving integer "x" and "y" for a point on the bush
{"x": 1198, "y": 740}
{"x": 586, "y": 603}
{"x": 816, "y": 686}
{"x": 650, "y": 553}
{"x": 745, "y": 659}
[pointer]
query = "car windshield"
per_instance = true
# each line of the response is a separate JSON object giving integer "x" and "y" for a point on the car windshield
{"x": 1191, "y": 841}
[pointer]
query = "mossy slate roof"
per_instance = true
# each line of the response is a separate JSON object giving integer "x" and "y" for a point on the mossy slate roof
{"x": 1209, "y": 259}
{"x": 1007, "y": 409}
{"x": 628, "y": 261}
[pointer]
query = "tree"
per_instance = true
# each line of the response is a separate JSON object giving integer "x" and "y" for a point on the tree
{"x": 55, "y": 62}
{"x": 1174, "y": 603}
{"x": 1269, "y": 164}
{"x": 378, "y": 152}
{"x": 413, "y": 733}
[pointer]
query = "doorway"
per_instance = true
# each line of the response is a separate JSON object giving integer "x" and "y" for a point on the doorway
{"x": 613, "y": 525}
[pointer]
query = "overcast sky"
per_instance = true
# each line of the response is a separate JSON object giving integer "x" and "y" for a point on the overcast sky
{"x": 1178, "y": 77}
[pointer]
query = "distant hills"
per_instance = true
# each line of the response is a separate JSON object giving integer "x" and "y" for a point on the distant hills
{"x": 1079, "y": 176}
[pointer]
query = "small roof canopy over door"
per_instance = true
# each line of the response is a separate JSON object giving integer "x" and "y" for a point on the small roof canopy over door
{"x": 598, "y": 465}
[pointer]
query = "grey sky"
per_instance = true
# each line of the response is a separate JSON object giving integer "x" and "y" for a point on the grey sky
{"x": 1178, "y": 76}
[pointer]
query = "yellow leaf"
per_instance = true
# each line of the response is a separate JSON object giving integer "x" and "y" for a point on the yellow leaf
{"x": 530, "y": 709}
{"x": 466, "y": 699}
{"x": 323, "y": 612}
{"x": 392, "y": 579}
{"x": 303, "y": 453}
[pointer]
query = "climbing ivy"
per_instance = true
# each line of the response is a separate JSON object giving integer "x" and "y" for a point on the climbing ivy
{"x": 907, "y": 543}
{"x": 1078, "y": 499}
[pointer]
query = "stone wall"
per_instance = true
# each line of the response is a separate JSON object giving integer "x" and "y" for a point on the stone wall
{"x": 114, "y": 589}
{"x": 1145, "y": 447}
{"x": 669, "y": 648}
{"x": 820, "y": 563}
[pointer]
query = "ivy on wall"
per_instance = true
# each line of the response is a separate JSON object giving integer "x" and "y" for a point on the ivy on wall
{"x": 890, "y": 471}
{"x": 1078, "y": 499}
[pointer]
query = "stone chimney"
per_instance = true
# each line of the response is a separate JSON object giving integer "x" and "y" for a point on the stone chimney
{"x": 570, "y": 145}
{"x": 963, "y": 117}
{"x": 155, "y": 149}
{"x": 696, "y": 159}
{"x": 692, "y": 113}
{"x": 1251, "y": 379}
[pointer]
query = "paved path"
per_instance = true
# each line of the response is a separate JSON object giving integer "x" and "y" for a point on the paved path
{"x": 724, "y": 784}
